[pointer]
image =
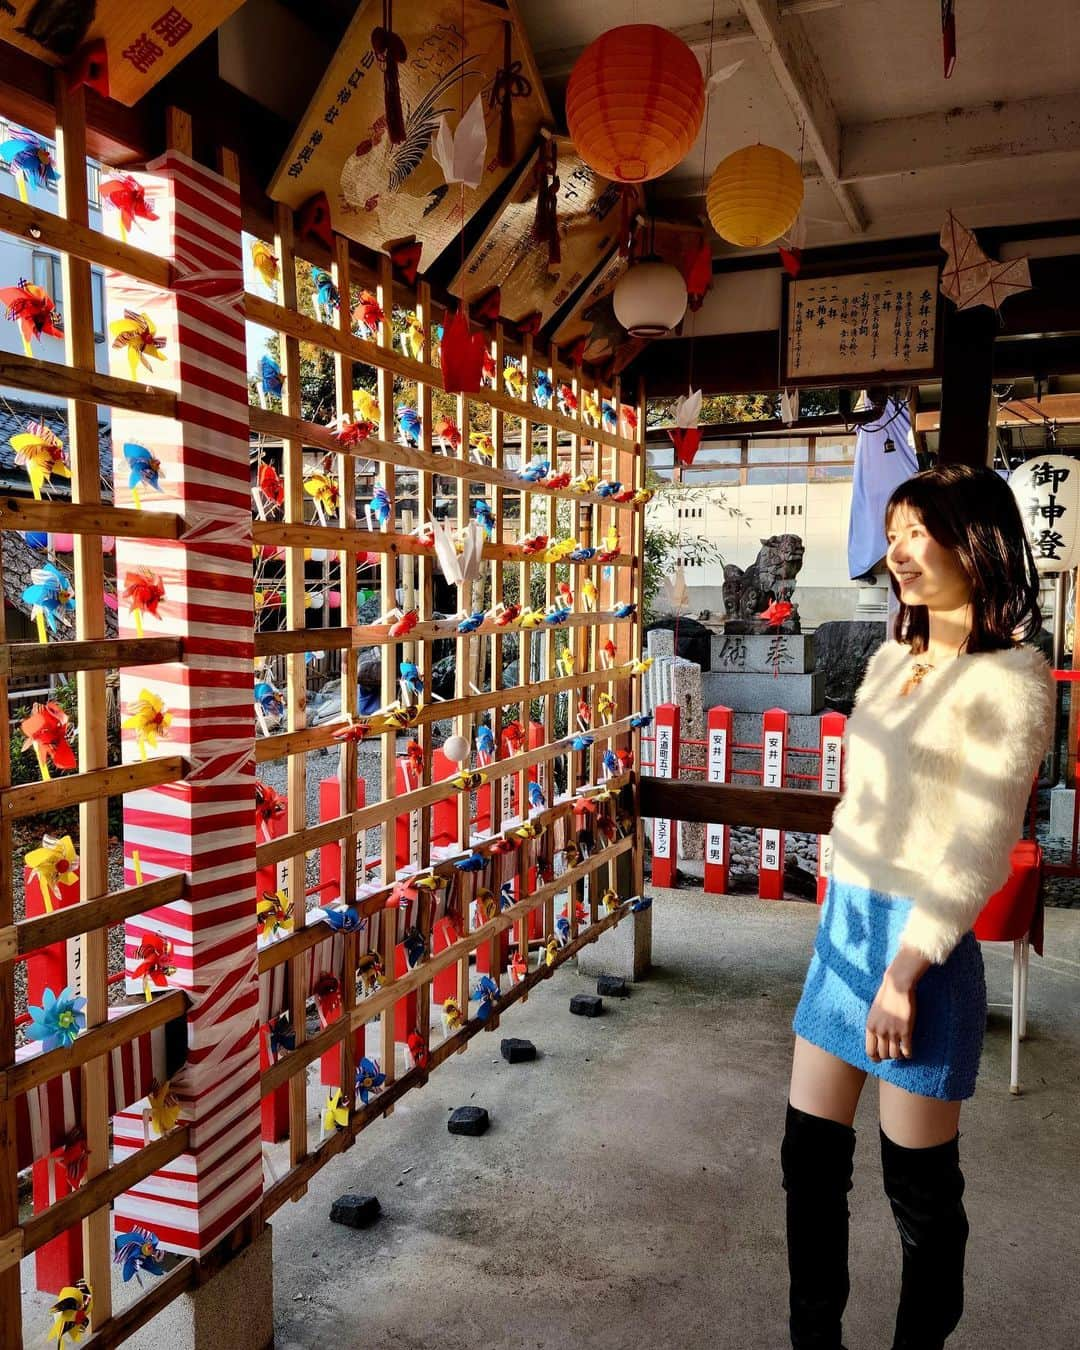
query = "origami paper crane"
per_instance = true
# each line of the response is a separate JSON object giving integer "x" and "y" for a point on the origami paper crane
{"x": 461, "y": 153}
{"x": 686, "y": 434}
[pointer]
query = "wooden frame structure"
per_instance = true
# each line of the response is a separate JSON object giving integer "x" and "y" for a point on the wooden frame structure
{"x": 261, "y": 980}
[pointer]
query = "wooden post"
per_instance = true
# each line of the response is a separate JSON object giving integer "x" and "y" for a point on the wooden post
{"x": 968, "y": 429}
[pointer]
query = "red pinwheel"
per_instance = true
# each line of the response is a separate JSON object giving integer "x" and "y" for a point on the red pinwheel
{"x": 414, "y": 759}
{"x": 269, "y": 806}
{"x": 128, "y": 196}
{"x": 46, "y": 732}
{"x": 33, "y": 308}
{"x": 144, "y": 592}
{"x": 461, "y": 355}
{"x": 155, "y": 967}
{"x": 270, "y": 485}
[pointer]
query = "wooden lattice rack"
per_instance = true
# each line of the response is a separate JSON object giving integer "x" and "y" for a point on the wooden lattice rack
{"x": 559, "y": 665}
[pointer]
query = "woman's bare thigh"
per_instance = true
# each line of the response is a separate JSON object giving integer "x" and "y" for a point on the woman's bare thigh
{"x": 823, "y": 1085}
{"x": 916, "y": 1122}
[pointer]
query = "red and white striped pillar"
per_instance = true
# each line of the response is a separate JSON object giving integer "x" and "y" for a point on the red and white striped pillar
{"x": 774, "y": 731}
{"x": 665, "y": 849}
{"x": 720, "y": 735}
{"x": 831, "y": 735}
{"x": 203, "y": 826}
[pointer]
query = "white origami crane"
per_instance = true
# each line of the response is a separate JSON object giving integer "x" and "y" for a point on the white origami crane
{"x": 724, "y": 73}
{"x": 459, "y": 569}
{"x": 969, "y": 277}
{"x": 674, "y": 593}
{"x": 789, "y": 406}
{"x": 688, "y": 410}
{"x": 461, "y": 153}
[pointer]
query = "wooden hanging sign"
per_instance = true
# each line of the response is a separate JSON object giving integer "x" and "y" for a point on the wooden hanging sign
{"x": 512, "y": 258}
{"x": 143, "y": 39}
{"x": 380, "y": 192}
{"x": 592, "y": 317}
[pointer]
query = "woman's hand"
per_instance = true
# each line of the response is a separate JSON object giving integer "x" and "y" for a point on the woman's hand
{"x": 890, "y": 1023}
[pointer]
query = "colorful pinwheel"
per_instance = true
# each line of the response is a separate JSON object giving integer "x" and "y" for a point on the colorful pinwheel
{"x": 282, "y": 1036}
{"x": 409, "y": 423}
{"x": 264, "y": 260}
{"x": 149, "y": 718}
{"x": 139, "y": 1253}
{"x": 484, "y": 516}
{"x": 51, "y": 598}
{"x": 514, "y": 379}
{"x": 369, "y": 1079}
{"x": 128, "y": 196}
{"x": 71, "y": 1313}
{"x": 34, "y": 310}
{"x": 268, "y": 703}
{"x": 154, "y": 955}
{"x": 143, "y": 591}
{"x": 323, "y": 488}
{"x": 273, "y": 914}
{"x": 46, "y": 732}
{"x": 567, "y": 400}
{"x": 137, "y": 333}
{"x": 58, "y": 1021}
{"x": 144, "y": 469}
{"x": 29, "y": 159}
{"x": 40, "y": 452}
{"x": 418, "y": 1050}
{"x": 344, "y": 920}
{"x": 381, "y": 509}
{"x": 335, "y": 1112}
{"x": 412, "y": 336}
{"x": 451, "y": 1016}
{"x": 366, "y": 406}
{"x": 271, "y": 380}
{"x": 73, "y": 1156}
{"x": 54, "y": 864}
{"x": 162, "y": 1108}
{"x": 544, "y": 389}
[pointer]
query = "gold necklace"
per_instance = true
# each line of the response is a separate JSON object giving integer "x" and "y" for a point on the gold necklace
{"x": 918, "y": 672}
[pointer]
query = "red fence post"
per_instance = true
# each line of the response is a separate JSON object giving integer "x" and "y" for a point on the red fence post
{"x": 774, "y": 745}
{"x": 720, "y": 735}
{"x": 665, "y": 850}
{"x": 832, "y": 762}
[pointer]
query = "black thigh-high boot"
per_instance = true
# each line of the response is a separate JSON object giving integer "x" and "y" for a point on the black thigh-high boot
{"x": 817, "y": 1157}
{"x": 925, "y": 1186}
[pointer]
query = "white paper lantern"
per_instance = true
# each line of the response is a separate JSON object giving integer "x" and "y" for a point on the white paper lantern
{"x": 1047, "y": 490}
{"x": 456, "y": 748}
{"x": 650, "y": 299}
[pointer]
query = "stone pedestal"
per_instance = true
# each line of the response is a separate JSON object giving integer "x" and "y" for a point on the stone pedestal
{"x": 800, "y": 693}
{"x": 761, "y": 654}
{"x": 625, "y": 950}
{"x": 235, "y": 1307}
{"x": 1062, "y": 804}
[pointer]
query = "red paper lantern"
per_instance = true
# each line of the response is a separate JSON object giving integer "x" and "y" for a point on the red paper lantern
{"x": 635, "y": 102}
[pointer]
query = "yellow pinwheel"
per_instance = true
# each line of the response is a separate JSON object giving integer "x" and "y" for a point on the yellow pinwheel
{"x": 560, "y": 550}
{"x": 482, "y": 444}
{"x": 273, "y": 914}
{"x": 605, "y": 707}
{"x": 137, "y": 333}
{"x": 565, "y": 661}
{"x": 335, "y": 1112}
{"x": 610, "y": 901}
{"x": 40, "y": 452}
{"x": 54, "y": 864}
{"x": 532, "y": 618}
{"x": 148, "y": 718}
{"x": 164, "y": 1108}
{"x": 323, "y": 487}
{"x": 264, "y": 260}
{"x": 71, "y": 1313}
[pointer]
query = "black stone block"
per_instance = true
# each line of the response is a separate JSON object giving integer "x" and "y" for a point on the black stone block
{"x": 612, "y": 986}
{"x": 355, "y": 1211}
{"x": 587, "y": 1005}
{"x": 468, "y": 1120}
{"x": 517, "y": 1051}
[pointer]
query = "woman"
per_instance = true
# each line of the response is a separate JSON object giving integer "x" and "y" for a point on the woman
{"x": 950, "y": 724}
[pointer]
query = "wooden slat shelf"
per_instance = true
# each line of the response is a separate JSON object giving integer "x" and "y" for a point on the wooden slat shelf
{"x": 21, "y": 513}
{"x": 87, "y": 386}
{"x": 61, "y": 658}
{"x": 34, "y": 798}
{"x": 729, "y": 804}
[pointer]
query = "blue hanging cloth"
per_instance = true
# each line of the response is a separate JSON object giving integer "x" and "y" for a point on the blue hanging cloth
{"x": 877, "y": 472}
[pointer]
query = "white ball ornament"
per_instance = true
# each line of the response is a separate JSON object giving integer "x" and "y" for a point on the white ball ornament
{"x": 456, "y": 748}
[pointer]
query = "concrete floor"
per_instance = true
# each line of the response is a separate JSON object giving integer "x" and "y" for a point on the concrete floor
{"x": 627, "y": 1192}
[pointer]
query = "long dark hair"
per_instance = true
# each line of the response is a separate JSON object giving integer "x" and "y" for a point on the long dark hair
{"x": 973, "y": 512}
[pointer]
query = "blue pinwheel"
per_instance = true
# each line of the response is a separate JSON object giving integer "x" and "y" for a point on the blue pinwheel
{"x": 608, "y": 489}
{"x": 326, "y": 293}
{"x": 139, "y": 1253}
{"x": 536, "y": 796}
{"x": 411, "y": 678}
{"x": 475, "y": 862}
{"x": 535, "y": 472}
{"x": 506, "y": 895}
{"x": 26, "y": 155}
{"x": 543, "y": 388}
{"x": 484, "y": 516}
{"x": 271, "y": 380}
{"x": 581, "y": 555}
{"x": 345, "y": 920}
{"x": 610, "y": 417}
{"x": 485, "y": 740}
{"x": 640, "y": 720}
{"x": 282, "y": 1036}
{"x": 581, "y": 742}
{"x": 58, "y": 1021}
{"x": 611, "y": 762}
{"x": 472, "y": 623}
{"x": 144, "y": 470}
{"x": 487, "y": 991}
{"x": 562, "y": 929}
{"x": 625, "y": 611}
{"x": 269, "y": 700}
{"x": 51, "y": 595}
{"x": 414, "y": 945}
{"x": 369, "y": 1079}
{"x": 409, "y": 421}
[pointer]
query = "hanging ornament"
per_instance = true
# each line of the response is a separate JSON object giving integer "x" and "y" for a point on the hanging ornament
{"x": 686, "y": 434}
{"x": 697, "y": 271}
{"x": 390, "y": 53}
{"x": 461, "y": 356}
{"x": 89, "y": 67}
{"x": 406, "y": 260}
{"x": 754, "y": 196}
{"x": 970, "y": 278}
{"x": 509, "y": 83}
{"x": 650, "y": 298}
{"x": 313, "y": 221}
{"x": 1047, "y": 491}
{"x": 635, "y": 102}
{"x": 461, "y": 153}
{"x": 546, "y": 226}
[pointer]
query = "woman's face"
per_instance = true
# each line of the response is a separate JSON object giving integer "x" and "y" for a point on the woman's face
{"x": 927, "y": 572}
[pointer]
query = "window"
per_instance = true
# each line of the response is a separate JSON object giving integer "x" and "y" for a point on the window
{"x": 789, "y": 509}
{"x": 778, "y": 452}
{"x": 93, "y": 185}
{"x": 48, "y": 275}
{"x": 97, "y": 297}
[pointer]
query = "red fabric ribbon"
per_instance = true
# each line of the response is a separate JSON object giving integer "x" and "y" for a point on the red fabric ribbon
{"x": 390, "y": 53}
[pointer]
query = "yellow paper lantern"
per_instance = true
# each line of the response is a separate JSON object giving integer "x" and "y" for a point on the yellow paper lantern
{"x": 634, "y": 102}
{"x": 754, "y": 196}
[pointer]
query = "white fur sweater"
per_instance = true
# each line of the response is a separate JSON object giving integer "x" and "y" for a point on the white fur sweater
{"x": 936, "y": 783}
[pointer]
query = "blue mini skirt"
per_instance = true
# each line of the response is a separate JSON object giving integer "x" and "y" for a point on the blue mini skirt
{"x": 857, "y": 938}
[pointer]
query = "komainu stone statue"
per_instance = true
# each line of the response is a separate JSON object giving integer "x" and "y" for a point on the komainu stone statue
{"x": 771, "y": 576}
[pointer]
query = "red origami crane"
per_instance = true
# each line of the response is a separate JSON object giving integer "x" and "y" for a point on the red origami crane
{"x": 697, "y": 271}
{"x": 776, "y": 612}
{"x": 33, "y": 309}
{"x": 368, "y": 312}
{"x": 128, "y": 196}
{"x": 73, "y": 1155}
{"x": 417, "y": 1049}
{"x": 270, "y": 485}
{"x": 270, "y": 805}
{"x": 461, "y": 355}
{"x": 46, "y": 731}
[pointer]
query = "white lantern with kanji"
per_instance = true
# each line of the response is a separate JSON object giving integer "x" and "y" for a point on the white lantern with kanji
{"x": 1047, "y": 490}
